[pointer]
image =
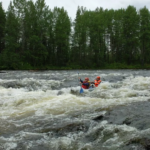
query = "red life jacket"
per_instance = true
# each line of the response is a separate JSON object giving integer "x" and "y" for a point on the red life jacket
{"x": 97, "y": 83}
{"x": 84, "y": 86}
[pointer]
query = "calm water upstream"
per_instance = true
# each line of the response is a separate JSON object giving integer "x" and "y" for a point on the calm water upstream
{"x": 38, "y": 111}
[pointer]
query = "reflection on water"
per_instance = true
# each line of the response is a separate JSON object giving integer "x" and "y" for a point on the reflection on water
{"x": 44, "y": 110}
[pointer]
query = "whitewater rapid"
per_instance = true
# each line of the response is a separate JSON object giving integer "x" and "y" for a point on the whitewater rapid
{"x": 38, "y": 110}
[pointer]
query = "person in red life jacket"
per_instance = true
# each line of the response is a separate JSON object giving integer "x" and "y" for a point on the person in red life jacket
{"x": 85, "y": 83}
{"x": 97, "y": 81}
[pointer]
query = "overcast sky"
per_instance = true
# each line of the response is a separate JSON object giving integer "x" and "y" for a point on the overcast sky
{"x": 71, "y": 5}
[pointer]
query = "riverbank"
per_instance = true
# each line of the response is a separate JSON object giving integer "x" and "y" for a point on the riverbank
{"x": 72, "y": 67}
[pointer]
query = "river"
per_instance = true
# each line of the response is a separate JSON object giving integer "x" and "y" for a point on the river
{"x": 38, "y": 111}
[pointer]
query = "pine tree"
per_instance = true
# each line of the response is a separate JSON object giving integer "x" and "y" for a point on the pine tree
{"x": 118, "y": 38}
{"x": 75, "y": 49}
{"x": 10, "y": 56}
{"x": 2, "y": 27}
{"x": 144, "y": 35}
{"x": 97, "y": 37}
{"x": 62, "y": 31}
{"x": 36, "y": 33}
{"x": 80, "y": 50}
{"x": 130, "y": 35}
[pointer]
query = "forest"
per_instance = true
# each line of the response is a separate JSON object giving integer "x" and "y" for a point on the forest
{"x": 33, "y": 36}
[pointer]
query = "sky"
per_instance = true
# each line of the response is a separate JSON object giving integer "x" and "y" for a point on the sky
{"x": 71, "y": 5}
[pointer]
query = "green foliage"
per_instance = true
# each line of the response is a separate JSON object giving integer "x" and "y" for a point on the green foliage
{"x": 9, "y": 60}
{"x": 61, "y": 35}
{"x": 2, "y": 27}
{"x": 34, "y": 37}
{"x": 130, "y": 34}
{"x": 144, "y": 35}
{"x": 122, "y": 66}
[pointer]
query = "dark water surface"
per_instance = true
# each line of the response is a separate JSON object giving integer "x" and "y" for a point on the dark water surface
{"x": 38, "y": 111}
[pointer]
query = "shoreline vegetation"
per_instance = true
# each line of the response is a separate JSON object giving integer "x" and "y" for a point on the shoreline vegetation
{"x": 114, "y": 66}
{"x": 34, "y": 37}
{"x": 77, "y": 67}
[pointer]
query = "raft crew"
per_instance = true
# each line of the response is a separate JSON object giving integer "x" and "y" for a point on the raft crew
{"x": 85, "y": 83}
{"x": 97, "y": 81}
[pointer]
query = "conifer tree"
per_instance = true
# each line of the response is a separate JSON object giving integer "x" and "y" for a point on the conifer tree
{"x": 62, "y": 30}
{"x": 144, "y": 35}
{"x": 130, "y": 35}
{"x": 10, "y": 56}
{"x": 2, "y": 27}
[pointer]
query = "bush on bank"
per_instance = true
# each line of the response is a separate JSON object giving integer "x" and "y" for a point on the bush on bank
{"x": 27, "y": 66}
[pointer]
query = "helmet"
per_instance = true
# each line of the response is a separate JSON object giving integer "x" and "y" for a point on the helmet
{"x": 98, "y": 77}
{"x": 87, "y": 78}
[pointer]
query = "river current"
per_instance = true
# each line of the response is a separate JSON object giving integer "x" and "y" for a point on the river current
{"x": 43, "y": 110}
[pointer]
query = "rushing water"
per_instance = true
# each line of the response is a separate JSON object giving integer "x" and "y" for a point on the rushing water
{"x": 38, "y": 111}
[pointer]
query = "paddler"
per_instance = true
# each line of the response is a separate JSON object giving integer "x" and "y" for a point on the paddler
{"x": 85, "y": 83}
{"x": 97, "y": 81}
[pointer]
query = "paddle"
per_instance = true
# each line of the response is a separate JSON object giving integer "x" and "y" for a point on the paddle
{"x": 81, "y": 90}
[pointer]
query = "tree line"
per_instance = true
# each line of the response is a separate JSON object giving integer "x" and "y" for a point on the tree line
{"x": 33, "y": 36}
